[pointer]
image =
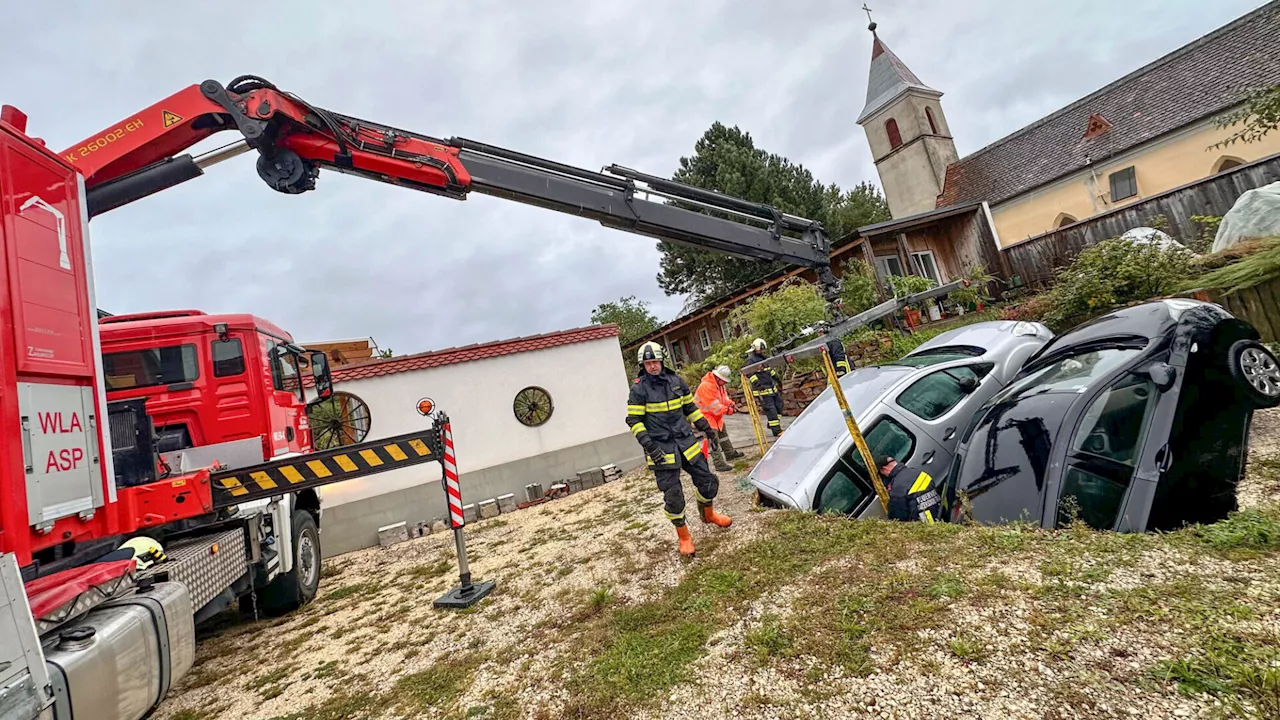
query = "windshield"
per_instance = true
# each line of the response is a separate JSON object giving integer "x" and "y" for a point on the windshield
{"x": 1070, "y": 374}
{"x": 937, "y": 356}
{"x": 150, "y": 367}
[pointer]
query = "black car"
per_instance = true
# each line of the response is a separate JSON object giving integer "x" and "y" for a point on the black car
{"x": 1135, "y": 421}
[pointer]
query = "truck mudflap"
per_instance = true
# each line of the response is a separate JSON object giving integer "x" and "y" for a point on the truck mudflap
{"x": 233, "y": 487}
{"x": 206, "y": 565}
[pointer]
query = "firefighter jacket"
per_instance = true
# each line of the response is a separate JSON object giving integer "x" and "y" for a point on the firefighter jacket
{"x": 763, "y": 382}
{"x": 660, "y": 412}
{"x": 713, "y": 401}
{"x": 838, "y": 358}
{"x": 913, "y": 495}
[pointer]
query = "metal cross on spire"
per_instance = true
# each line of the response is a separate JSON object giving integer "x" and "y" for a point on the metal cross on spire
{"x": 872, "y": 23}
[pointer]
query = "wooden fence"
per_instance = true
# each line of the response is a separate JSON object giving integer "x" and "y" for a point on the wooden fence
{"x": 1259, "y": 305}
{"x": 1034, "y": 260}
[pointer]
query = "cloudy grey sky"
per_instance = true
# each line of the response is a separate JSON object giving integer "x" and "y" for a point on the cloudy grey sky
{"x": 587, "y": 82}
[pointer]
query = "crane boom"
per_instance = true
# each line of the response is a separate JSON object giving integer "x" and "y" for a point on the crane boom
{"x": 294, "y": 140}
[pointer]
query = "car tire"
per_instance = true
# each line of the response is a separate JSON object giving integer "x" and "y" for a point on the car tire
{"x": 1256, "y": 373}
{"x": 292, "y": 590}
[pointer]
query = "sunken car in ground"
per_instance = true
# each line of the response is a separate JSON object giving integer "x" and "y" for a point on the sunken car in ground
{"x": 913, "y": 409}
{"x": 1135, "y": 421}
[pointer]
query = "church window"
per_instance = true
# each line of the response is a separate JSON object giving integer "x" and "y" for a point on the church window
{"x": 895, "y": 137}
{"x": 933, "y": 126}
{"x": 1124, "y": 184}
{"x": 1226, "y": 162}
{"x": 1064, "y": 220}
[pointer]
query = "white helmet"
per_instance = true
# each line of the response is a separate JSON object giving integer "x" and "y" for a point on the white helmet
{"x": 650, "y": 351}
{"x": 722, "y": 372}
{"x": 146, "y": 552}
{"x": 759, "y": 345}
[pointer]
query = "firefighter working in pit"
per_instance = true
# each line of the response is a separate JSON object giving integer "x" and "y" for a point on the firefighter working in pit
{"x": 766, "y": 386}
{"x": 662, "y": 414}
{"x": 913, "y": 493}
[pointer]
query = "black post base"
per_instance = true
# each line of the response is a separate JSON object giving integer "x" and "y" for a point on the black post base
{"x": 458, "y": 598}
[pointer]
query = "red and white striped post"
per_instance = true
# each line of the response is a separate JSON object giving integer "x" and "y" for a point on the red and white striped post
{"x": 466, "y": 593}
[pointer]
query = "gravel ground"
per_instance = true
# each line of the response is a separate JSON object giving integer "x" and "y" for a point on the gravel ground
{"x": 563, "y": 567}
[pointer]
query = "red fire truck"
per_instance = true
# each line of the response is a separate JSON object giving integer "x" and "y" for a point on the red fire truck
{"x": 187, "y": 453}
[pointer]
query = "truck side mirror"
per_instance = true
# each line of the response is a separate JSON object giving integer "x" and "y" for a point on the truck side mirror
{"x": 320, "y": 373}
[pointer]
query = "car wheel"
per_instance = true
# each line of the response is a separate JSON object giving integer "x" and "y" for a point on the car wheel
{"x": 1256, "y": 372}
{"x": 298, "y": 587}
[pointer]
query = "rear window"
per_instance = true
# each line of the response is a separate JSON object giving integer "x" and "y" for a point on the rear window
{"x": 939, "y": 355}
{"x": 151, "y": 367}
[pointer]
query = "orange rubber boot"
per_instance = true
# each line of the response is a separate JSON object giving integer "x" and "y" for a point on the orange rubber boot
{"x": 709, "y": 515}
{"x": 686, "y": 542}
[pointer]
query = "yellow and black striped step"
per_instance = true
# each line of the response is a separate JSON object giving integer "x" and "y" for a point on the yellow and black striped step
{"x": 232, "y": 487}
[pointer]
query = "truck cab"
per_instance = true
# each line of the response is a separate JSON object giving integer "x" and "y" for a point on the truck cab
{"x": 232, "y": 385}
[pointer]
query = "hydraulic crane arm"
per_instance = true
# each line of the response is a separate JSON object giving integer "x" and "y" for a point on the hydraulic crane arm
{"x": 295, "y": 139}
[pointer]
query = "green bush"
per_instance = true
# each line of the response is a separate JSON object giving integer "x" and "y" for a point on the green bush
{"x": 1208, "y": 231}
{"x": 909, "y": 284}
{"x": 732, "y": 352}
{"x": 977, "y": 291}
{"x": 783, "y": 313}
{"x": 1110, "y": 273}
{"x": 858, "y": 288}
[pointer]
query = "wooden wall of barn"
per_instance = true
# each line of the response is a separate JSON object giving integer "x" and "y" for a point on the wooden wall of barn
{"x": 1035, "y": 260}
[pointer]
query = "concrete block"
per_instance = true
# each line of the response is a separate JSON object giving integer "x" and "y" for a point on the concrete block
{"x": 488, "y": 508}
{"x": 439, "y": 526}
{"x": 575, "y": 484}
{"x": 610, "y": 472}
{"x": 593, "y": 477}
{"x": 389, "y": 535}
{"x": 533, "y": 491}
{"x": 507, "y": 503}
{"x": 470, "y": 513}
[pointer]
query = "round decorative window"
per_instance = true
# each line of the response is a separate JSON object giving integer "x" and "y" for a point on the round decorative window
{"x": 533, "y": 406}
{"x": 343, "y": 419}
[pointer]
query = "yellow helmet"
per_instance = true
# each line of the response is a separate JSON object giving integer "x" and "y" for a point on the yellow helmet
{"x": 146, "y": 552}
{"x": 650, "y": 351}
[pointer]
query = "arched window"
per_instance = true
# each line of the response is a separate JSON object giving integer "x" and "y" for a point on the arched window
{"x": 1226, "y": 162}
{"x": 1064, "y": 220}
{"x": 933, "y": 126}
{"x": 895, "y": 137}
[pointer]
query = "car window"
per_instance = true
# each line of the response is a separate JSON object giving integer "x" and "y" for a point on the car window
{"x": 847, "y": 483}
{"x": 938, "y": 355}
{"x": 1105, "y": 450}
{"x": 1071, "y": 374}
{"x": 151, "y": 367}
{"x": 933, "y": 395}
{"x": 228, "y": 357}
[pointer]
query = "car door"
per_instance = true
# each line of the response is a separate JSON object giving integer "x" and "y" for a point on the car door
{"x": 941, "y": 402}
{"x": 1105, "y": 448}
{"x": 846, "y": 488}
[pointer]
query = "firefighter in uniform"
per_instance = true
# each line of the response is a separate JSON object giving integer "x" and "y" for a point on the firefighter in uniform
{"x": 913, "y": 493}
{"x": 766, "y": 386}
{"x": 662, "y": 414}
{"x": 835, "y": 349}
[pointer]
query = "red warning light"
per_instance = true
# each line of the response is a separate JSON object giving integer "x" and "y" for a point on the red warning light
{"x": 425, "y": 406}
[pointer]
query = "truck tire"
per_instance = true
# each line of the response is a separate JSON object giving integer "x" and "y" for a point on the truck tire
{"x": 1256, "y": 373}
{"x": 298, "y": 587}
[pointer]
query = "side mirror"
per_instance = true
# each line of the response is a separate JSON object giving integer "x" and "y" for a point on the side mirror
{"x": 320, "y": 373}
{"x": 1162, "y": 374}
{"x": 968, "y": 385}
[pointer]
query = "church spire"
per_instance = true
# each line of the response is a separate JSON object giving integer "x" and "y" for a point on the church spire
{"x": 889, "y": 77}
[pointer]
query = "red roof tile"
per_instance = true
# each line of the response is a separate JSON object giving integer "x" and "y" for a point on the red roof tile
{"x": 468, "y": 353}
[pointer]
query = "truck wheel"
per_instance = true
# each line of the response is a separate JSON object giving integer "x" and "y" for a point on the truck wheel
{"x": 1256, "y": 372}
{"x": 298, "y": 587}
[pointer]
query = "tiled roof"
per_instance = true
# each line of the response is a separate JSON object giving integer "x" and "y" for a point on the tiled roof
{"x": 468, "y": 353}
{"x": 889, "y": 77}
{"x": 1196, "y": 81}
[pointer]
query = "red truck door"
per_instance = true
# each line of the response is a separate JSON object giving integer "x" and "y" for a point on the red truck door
{"x": 52, "y": 459}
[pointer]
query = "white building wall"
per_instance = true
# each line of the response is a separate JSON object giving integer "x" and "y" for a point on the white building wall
{"x": 588, "y": 387}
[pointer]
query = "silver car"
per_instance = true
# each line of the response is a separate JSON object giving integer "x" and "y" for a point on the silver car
{"x": 914, "y": 409}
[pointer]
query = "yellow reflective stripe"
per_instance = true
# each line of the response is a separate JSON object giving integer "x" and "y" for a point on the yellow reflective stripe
{"x": 922, "y": 483}
{"x": 664, "y": 406}
{"x": 927, "y": 517}
{"x": 676, "y": 516}
{"x": 695, "y": 416}
{"x": 635, "y": 409}
{"x": 233, "y": 484}
{"x": 693, "y": 451}
{"x": 775, "y": 422}
{"x": 638, "y": 428}
{"x": 345, "y": 463}
{"x": 687, "y": 400}
{"x": 755, "y": 378}
{"x": 669, "y": 459}
{"x": 371, "y": 457}
{"x": 419, "y": 447}
{"x": 291, "y": 474}
{"x": 318, "y": 469}
{"x": 264, "y": 480}
{"x": 699, "y": 496}
{"x": 395, "y": 452}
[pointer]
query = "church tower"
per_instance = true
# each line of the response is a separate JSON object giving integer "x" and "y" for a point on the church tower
{"x": 908, "y": 133}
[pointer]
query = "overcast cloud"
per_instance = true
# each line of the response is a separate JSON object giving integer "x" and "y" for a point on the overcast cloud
{"x": 588, "y": 82}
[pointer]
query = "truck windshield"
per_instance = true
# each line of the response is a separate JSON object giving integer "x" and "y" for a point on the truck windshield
{"x": 151, "y": 367}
